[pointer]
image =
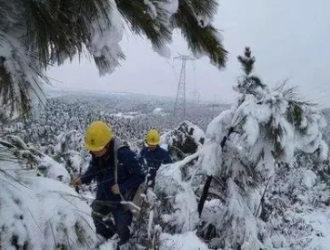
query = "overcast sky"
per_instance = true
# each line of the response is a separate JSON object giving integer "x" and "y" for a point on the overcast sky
{"x": 289, "y": 38}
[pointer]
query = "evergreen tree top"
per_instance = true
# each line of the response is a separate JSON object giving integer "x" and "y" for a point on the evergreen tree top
{"x": 247, "y": 61}
{"x": 249, "y": 83}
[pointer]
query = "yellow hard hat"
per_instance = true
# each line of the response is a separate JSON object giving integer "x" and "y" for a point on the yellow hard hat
{"x": 153, "y": 137}
{"x": 97, "y": 136}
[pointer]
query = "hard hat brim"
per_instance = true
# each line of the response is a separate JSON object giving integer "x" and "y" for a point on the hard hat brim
{"x": 93, "y": 148}
{"x": 153, "y": 143}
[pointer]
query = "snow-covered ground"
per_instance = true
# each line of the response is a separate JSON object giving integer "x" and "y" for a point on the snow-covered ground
{"x": 319, "y": 220}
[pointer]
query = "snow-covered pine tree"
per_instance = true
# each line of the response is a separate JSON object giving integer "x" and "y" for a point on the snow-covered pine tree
{"x": 266, "y": 127}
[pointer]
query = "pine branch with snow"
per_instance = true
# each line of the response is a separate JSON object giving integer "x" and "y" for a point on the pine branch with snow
{"x": 32, "y": 161}
{"x": 69, "y": 151}
{"x": 40, "y": 213}
{"x": 184, "y": 140}
{"x": 178, "y": 210}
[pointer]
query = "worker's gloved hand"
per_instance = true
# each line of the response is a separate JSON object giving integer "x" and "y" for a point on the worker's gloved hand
{"x": 115, "y": 189}
{"x": 76, "y": 182}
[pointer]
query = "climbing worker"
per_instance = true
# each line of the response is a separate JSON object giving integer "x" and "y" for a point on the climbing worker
{"x": 153, "y": 156}
{"x": 118, "y": 174}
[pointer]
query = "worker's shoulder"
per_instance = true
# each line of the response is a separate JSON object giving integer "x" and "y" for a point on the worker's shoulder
{"x": 144, "y": 150}
{"x": 125, "y": 152}
{"x": 162, "y": 151}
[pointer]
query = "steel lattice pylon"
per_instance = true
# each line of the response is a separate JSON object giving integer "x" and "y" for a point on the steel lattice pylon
{"x": 180, "y": 101}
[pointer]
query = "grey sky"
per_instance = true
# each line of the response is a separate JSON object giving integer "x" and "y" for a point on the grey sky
{"x": 290, "y": 39}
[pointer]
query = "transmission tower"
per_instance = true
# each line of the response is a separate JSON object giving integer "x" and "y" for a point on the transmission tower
{"x": 180, "y": 101}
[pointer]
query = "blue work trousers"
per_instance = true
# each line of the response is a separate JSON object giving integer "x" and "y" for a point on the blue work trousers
{"x": 122, "y": 217}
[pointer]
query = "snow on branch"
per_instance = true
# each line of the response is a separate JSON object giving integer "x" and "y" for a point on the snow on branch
{"x": 179, "y": 205}
{"x": 41, "y": 213}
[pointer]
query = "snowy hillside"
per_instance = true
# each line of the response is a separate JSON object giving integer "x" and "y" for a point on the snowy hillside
{"x": 130, "y": 115}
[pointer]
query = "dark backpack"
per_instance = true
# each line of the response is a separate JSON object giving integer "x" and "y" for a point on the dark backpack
{"x": 133, "y": 199}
